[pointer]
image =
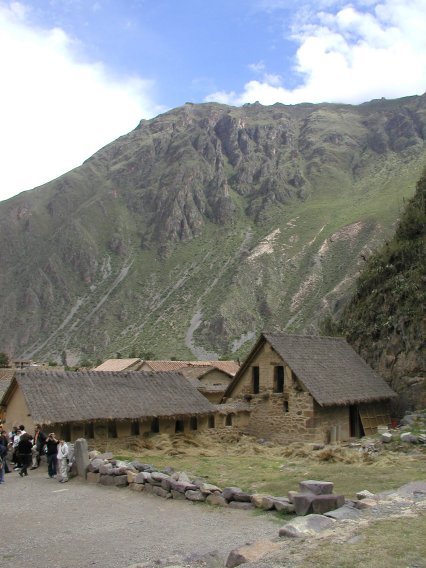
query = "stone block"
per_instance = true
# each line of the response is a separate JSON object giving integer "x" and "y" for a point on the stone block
{"x": 364, "y": 494}
{"x": 105, "y": 469}
{"x": 208, "y": 488}
{"x": 241, "y": 496}
{"x": 131, "y": 476}
{"x": 284, "y": 506}
{"x": 291, "y": 494}
{"x": 216, "y": 499}
{"x": 250, "y": 552}
{"x": 92, "y": 477}
{"x": 149, "y": 488}
{"x": 120, "y": 480}
{"x": 178, "y": 495}
{"x": 137, "y": 487}
{"x": 316, "y": 487}
{"x": 324, "y": 503}
{"x": 158, "y": 476}
{"x": 303, "y": 503}
{"x": 228, "y": 492}
{"x": 344, "y": 513}
{"x": 166, "y": 483}
{"x": 106, "y": 479}
{"x": 386, "y": 437}
{"x": 157, "y": 490}
{"x": 94, "y": 465}
{"x": 366, "y": 503}
{"x": 142, "y": 477}
{"x": 196, "y": 495}
{"x": 182, "y": 487}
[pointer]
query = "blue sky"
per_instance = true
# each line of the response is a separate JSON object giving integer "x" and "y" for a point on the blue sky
{"x": 77, "y": 74}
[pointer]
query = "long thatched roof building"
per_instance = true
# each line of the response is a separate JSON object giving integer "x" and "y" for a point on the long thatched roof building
{"x": 46, "y": 397}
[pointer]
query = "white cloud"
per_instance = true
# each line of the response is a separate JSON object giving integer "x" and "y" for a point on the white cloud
{"x": 55, "y": 110}
{"x": 351, "y": 54}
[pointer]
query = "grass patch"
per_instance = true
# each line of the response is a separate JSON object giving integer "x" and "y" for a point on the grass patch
{"x": 240, "y": 461}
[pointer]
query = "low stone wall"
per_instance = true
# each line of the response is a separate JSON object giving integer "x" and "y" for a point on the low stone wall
{"x": 169, "y": 484}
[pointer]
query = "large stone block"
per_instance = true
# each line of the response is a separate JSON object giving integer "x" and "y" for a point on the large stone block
{"x": 92, "y": 477}
{"x": 107, "y": 480}
{"x": 229, "y": 492}
{"x": 283, "y": 505}
{"x": 324, "y": 503}
{"x": 137, "y": 486}
{"x": 142, "y": 477}
{"x": 250, "y": 552}
{"x": 94, "y": 465}
{"x": 157, "y": 490}
{"x": 105, "y": 469}
{"x": 81, "y": 456}
{"x": 216, "y": 499}
{"x": 120, "y": 480}
{"x": 195, "y": 495}
{"x": 303, "y": 503}
{"x": 178, "y": 495}
{"x": 316, "y": 487}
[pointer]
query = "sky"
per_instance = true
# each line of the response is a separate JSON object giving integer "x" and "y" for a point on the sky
{"x": 77, "y": 74}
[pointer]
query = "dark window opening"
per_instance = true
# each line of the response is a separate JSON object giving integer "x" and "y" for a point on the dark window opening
{"x": 278, "y": 378}
{"x": 179, "y": 426}
{"x": 155, "y": 426}
{"x": 135, "y": 428}
{"x": 112, "y": 429}
{"x": 66, "y": 432}
{"x": 89, "y": 430}
{"x": 211, "y": 421}
{"x": 285, "y": 406}
{"x": 193, "y": 423}
{"x": 229, "y": 419}
{"x": 255, "y": 379}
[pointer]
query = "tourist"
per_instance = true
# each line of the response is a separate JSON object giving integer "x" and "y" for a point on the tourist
{"x": 3, "y": 454}
{"x": 24, "y": 452}
{"x": 39, "y": 441}
{"x": 15, "y": 456}
{"x": 4, "y": 441}
{"x": 51, "y": 453}
{"x": 63, "y": 461}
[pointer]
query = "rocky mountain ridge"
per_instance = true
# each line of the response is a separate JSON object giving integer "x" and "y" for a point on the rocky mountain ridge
{"x": 203, "y": 226}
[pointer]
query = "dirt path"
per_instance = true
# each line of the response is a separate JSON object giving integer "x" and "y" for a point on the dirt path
{"x": 46, "y": 524}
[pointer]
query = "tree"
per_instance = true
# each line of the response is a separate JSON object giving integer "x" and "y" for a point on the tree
{"x": 4, "y": 360}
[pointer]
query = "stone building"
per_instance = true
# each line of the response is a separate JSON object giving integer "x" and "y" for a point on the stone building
{"x": 105, "y": 404}
{"x": 309, "y": 388}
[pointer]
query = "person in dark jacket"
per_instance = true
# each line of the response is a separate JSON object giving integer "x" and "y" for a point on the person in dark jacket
{"x": 51, "y": 452}
{"x": 3, "y": 454}
{"x": 39, "y": 441}
{"x": 4, "y": 441}
{"x": 24, "y": 451}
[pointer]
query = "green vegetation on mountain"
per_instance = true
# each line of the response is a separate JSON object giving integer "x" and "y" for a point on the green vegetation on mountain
{"x": 386, "y": 318}
{"x": 188, "y": 236}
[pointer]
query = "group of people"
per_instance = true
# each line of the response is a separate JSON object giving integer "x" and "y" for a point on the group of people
{"x": 25, "y": 452}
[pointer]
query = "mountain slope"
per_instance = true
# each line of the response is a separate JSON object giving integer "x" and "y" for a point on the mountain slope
{"x": 203, "y": 226}
{"x": 386, "y": 318}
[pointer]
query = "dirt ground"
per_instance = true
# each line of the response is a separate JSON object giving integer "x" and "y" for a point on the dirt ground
{"x": 46, "y": 524}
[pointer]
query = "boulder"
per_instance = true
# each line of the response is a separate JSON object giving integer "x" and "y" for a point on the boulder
{"x": 208, "y": 488}
{"x": 195, "y": 495}
{"x": 131, "y": 476}
{"x": 386, "y": 437}
{"x": 241, "y": 496}
{"x": 120, "y": 480}
{"x": 291, "y": 494}
{"x": 105, "y": 469}
{"x": 282, "y": 505}
{"x": 303, "y": 503}
{"x": 265, "y": 502}
{"x": 142, "y": 477}
{"x": 310, "y": 525}
{"x": 409, "y": 438}
{"x": 250, "y": 552}
{"x": 106, "y": 479}
{"x": 177, "y": 495}
{"x": 228, "y": 492}
{"x": 137, "y": 486}
{"x": 347, "y": 512}
{"x": 182, "y": 486}
{"x": 161, "y": 492}
{"x": 93, "y": 477}
{"x": 158, "y": 476}
{"x": 324, "y": 503}
{"x": 94, "y": 465}
{"x": 366, "y": 503}
{"x": 216, "y": 499}
{"x": 316, "y": 487}
{"x": 364, "y": 494}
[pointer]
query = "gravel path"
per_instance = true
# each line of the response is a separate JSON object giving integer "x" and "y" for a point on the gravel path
{"x": 46, "y": 524}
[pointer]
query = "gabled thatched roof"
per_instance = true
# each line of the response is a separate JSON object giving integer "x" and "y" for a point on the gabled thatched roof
{"x": 228, "y": 367}
{"x": 59, "y": 397}
{"x": 6, "y": 376}
{"x": 120, "y": 365}
{"x": 327, "y": 367}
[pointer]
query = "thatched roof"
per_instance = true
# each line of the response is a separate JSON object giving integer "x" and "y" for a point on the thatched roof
{"x": 60, "y": 397}
{"x": 120, "y": 365}
{"x": 228, "y": 367}
{"x": 6, "y": 376}
{"x": 233, "y": 407}
{"x": 327, "y": 367}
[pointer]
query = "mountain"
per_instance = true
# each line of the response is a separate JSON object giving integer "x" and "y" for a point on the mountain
{"x": 386, "y": 318}
{"x": 203, "y": 226}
